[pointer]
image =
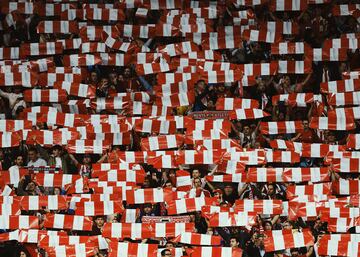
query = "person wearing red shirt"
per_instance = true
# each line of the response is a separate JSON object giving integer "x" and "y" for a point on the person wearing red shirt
{"x": 128, "y": 82}
{"x": 307, "y": 135}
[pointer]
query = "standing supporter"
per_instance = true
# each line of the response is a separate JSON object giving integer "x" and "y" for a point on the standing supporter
{"x": 256, "y": 247}
{"x": 85, "y": 168}
{"x": 247, "y": 138}
{"x": 201, "y": 96}
{"x": 5, "y": 161}
{"x": 197, "y": 190}
{"x": 34, "y": 159}
{"x": 147, "y": 210}
{"x": 28, "y": 187}
{"x": 18, "y": 163}
{"x": 129, "y": 83}
{"x": 98, "y": 225}
{"x": 57, "y": 159}
{"x": 103, "y": 89}
{"x": 230, "y": 195}
{"x": 93, "y": 79}
{"x": 308, "y": 135}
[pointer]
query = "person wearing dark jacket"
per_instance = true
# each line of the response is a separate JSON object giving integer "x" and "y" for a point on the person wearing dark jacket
{"x": 256, "y": 247}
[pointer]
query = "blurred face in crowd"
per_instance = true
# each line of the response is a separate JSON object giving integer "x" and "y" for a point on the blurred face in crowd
{"x": 221, "y": 88}
{"x": 31, "y": 187}
{"x": 196, "y": 174}
{"x": 87, "y": 159}
{"x": 127, "y": 73}
{"x": 295, "y": 253}
{"x": 146, "y": 183}
{"x": 246, "y": 131}
{"x": 197, "y": 183}
{"x": 168, "y": 184}
{"x": 306, "y": 124}
{"x": 210, "y": 231}
{"x": 19, "y": 161}
{"x": 211, "y": 105}
{"x": 147, "y": 209}
{"x": 259, "y": 241}
{"x": 166, "y": 253}
{"x": 93, "y": 77}
{"x": 120, "y": 77}
{"x": 104, "y": 82}
{"x": 331, "y": 138}
{"x": 267, "y": 226}
{"x": 57, "y": 191}
{"x": 113, "y": 78}
{"x": 217, "y": 194}
{"x": 271, "y": 190}
{"x": 261, "y": 86}
{"x": 57, "y": 152}
{"x": 99, "y": 221}
{"x": 326, "y": 133}
{"x": 33, "y": 156}
{"x": 200, "y": 86}
{"x": 238, "y": 125}
{"x": 22, "y": 254}
{"x": 234, "y": 243}
{"x": 286, "y": 81}
{"x": 228, "y": 190}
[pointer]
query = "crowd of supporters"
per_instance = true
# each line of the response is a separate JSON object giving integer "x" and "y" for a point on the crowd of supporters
{"x": 179, "y": 128}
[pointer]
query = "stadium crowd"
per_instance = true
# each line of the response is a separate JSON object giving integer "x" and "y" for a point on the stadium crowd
{"x": 178, "y": 128}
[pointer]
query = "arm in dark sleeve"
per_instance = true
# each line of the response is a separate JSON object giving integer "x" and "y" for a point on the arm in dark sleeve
{"x": 224, "y": 234}
{"x": 256, "y": 192}
{"x": 43, "y": 152}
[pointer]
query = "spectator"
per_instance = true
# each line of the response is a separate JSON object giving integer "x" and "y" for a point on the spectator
{"x": 34, "y": 159}
{"x": 98, "y": 225}
{"x": 166, "y": 253}
{"x": 308, "y": 135}
{"x": 247, "y": 138}
{"x": 4, "y": 160}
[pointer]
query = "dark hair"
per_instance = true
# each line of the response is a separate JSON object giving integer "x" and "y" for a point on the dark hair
{"x": 267, "y": 222}
{"x": 99, "y": 216}
{"x": 18, "y": 155}
{"x": 23, "y": 250}
{"x": 234, "y": 237}
{"x": 148, "y": 205}
{"x": 57, "y": 147}
{"x": 33, "y": 149}
{"x": 163, "y": 252}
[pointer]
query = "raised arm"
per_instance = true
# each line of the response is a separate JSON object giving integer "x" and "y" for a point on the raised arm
{"x": 73, "y": 159}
